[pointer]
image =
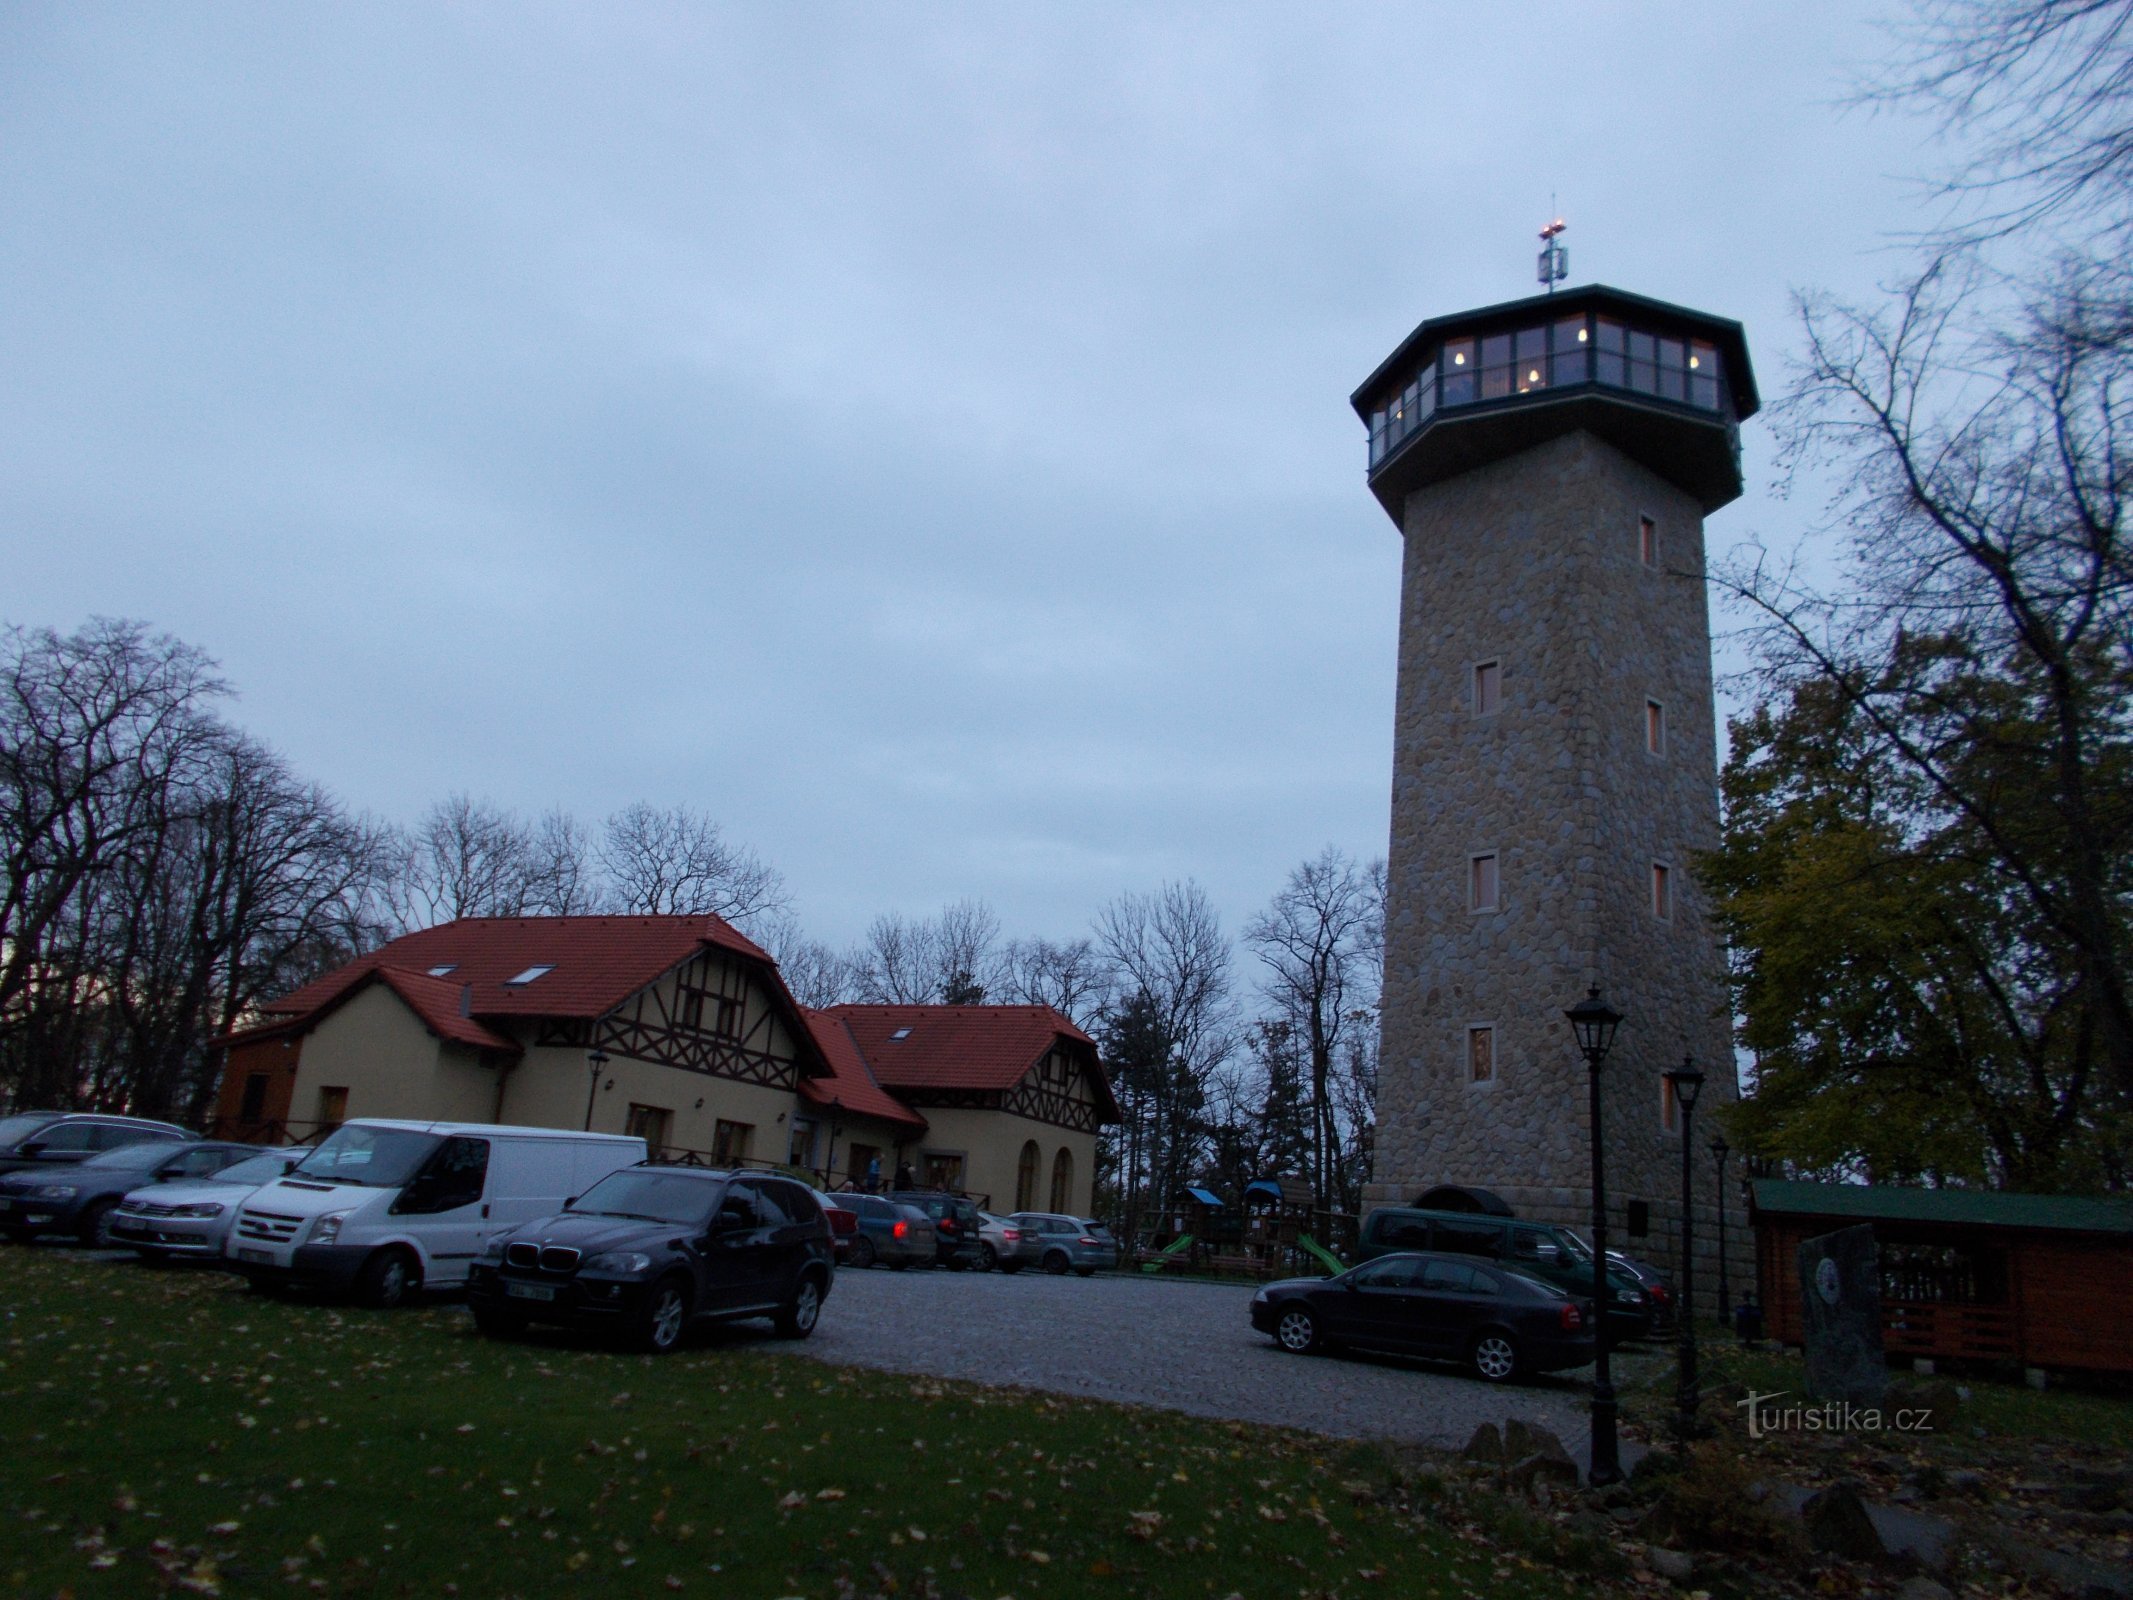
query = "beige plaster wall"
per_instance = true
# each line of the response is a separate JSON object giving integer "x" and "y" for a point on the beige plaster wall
{"x": 391, "y": 1066}
{"x": 991, "y": 1144}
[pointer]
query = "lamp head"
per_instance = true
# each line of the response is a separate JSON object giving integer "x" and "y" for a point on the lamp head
{"x": 1592, "y": 1023}
{"x": 596, "y": 1058}
{"x": 1687, "y": 1082}
{"x": 1720, "y": 1148}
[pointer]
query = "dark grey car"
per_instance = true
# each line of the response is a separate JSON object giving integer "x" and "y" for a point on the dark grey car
{"x": 35, "y": 1139}
{"x": 80, "y": 1199}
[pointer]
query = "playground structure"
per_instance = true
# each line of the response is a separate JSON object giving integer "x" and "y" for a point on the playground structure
{"x": 1275, "y": 1231}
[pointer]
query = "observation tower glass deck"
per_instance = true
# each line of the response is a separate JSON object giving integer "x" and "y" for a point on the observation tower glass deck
{"x": 1666, "y": 385}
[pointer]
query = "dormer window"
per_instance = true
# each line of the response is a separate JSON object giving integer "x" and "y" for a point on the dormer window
{"x": 528, "y": 976}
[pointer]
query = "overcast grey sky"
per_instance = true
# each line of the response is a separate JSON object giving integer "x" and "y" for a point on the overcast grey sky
{"x": 916, "y": 435}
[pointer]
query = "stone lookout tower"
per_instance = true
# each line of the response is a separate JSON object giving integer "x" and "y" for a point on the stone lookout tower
{"x": 1549, "y": 463}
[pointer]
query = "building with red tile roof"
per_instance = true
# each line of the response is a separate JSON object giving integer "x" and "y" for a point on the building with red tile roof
{"x": 682, "y": 1030}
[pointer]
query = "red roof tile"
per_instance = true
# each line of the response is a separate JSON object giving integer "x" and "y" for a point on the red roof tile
{"x": 962, "y": 1047}
{"x": 436, "y": 1001}
{"x": 596, "y": 962}
{"x": 851, "y": 1085}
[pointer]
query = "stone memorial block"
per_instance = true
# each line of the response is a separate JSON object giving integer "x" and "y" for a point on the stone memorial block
{"x": 1840, "y": 1297}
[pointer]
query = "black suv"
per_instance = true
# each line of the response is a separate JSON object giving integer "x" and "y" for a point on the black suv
{"x": 956, "y": 1225}
{"x": 649, "y": 1248}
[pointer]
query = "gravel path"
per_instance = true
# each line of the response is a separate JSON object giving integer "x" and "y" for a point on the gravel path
{"x": 1184, "y": 1346}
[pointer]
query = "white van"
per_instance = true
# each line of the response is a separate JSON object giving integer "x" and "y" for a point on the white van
{"x": 385, "y": 1209}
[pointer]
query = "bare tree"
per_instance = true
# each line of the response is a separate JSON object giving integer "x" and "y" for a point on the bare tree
{"x": 1069, "y": 977}
{"x": 817, "y": 975}
{"x": 562, "y": 875}
{"x": 954, "y": 958}
{"x": 671, "y": 861}
{"x": 1315, "y": 941}
{"x": 465, "y": 858}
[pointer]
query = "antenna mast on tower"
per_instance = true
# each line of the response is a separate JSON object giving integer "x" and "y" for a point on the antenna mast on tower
{"x": 1554, "y": 256}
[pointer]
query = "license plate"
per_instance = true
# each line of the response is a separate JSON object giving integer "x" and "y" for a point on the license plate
{"x": 529, "y": 1291}
{"x": 255, "y": 1255}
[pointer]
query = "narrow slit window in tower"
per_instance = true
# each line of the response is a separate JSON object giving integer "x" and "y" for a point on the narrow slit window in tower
{"x": 1648, "y": 541}
{"x": 1481, "y": 882}
{"x": 1662, "y": 890}
{"x": 1488, "y": 687}
{"x": 1669, "y": 1107}
{"x": 1655, "y": 727}
{"x": 1481, "y": 1054}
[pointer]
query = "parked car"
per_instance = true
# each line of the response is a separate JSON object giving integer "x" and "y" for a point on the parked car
{"x": 1537, "y": 1249}
{"x": 955, "y": 1226}
{"x": 1651, "y": 1281}
{"x": 647, "y": 1250}
{"x": 1005, "y": 1244}
{"x": 82, "y": 1198}
{"x": 386, "y": 1209}
{"x": 189, "y": 1218}
{"x": 1067, "y": 1244}
{"x": 61, "y": 1138}
{"x": 844, "y": 1225}
{"x": 890, "y": 1235}
{"x": 1456, "y": 1308}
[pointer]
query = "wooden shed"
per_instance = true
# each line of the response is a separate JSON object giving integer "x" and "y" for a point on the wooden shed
{"x": 1966, "y": 1274}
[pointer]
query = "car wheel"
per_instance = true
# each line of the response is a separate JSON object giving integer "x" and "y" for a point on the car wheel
{"x": 1494, "y": 1357}
{"x": 498, "y": 1323}
{"x": 96, "y": 1226}
{"x": 797, "y": 1317}
{"x": 1057, "y": 1263}
{"x": 992, "y": 1257}
{"x": 388, "y": 1279}
{"x": 862, "y": 1251}
{"x": 1296, "y": 1331}
{"x": 666, "y": 1318}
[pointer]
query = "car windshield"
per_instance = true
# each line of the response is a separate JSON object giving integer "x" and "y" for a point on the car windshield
{"x": 652, "y": 1196}
{"x": 1572, "y": 1246}
{"x": 137, "y": 1157}
{"x": 13, "y": 1130}
{"x": 374, "y": 1158}
{"x": 252, "y": 1171}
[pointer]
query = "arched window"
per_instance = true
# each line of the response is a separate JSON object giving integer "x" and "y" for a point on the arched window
{"x": 1063, "y": 1180}
{"x": 1026, "y": 1177}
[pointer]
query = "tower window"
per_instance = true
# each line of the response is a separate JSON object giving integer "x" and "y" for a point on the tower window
{"x": 1662, "y": 890}
{"x": 1648, "y": 541}
{"x": 1655, "y": 727}
{"x": 1481, "y": 891}
{"x": 1481, "y": 1054}
{"x": 1669, "y": 1107}
{"x": 1488, "y": 687}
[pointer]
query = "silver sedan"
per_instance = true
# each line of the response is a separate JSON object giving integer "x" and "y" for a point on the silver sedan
{"x": 173, "y": 1221}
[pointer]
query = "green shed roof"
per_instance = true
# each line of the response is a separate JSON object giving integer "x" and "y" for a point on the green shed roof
{"x": 1975, "y": 1207}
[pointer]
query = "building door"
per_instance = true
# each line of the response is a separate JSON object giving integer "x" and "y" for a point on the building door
{"x": 649, "y": 1123}
{"x": 862, "y": 1163}
{"x": 1026, "y": 1176}
{"x": 944, "y": 1172}
{"x": 332, "y": 1109}
{"x": 253, "y": 1107}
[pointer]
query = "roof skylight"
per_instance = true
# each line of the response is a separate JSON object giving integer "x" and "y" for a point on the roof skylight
{"x": 900, "y": 1033}
{"x": 528, "y": 976}
{"x": 444, "y": 971}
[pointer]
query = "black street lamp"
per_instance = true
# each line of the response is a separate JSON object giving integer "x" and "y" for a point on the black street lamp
{"x": 1687, "y": 1083}
{"x": 1719, "y": 1151}
{"x": 596, "y": 1059}
{"x": 1592, "y": 1024}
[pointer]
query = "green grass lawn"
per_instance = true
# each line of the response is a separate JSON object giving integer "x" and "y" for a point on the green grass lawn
{"x": 168, "y": 1432}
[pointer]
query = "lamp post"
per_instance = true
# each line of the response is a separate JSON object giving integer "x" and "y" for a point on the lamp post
{"x": 596, "y": 1059}
{"x": 1688, "y": 1083}
{"x": 1592, "y": 1024}
{"x": 1719, "y": 1151}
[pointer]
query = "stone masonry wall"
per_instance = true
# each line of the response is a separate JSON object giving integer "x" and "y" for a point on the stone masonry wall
{"x": 1533, "y": 561}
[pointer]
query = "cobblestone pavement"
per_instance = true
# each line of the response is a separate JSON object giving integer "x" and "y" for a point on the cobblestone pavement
{"x": 1185, "y": 1346}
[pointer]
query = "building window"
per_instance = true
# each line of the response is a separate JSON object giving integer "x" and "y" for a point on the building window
{"x": 800, "y": 1148}
{"x": 1481, "y": 885}
{"x": 254, "y": 1104}
{"x": 1063, "y": 1180}
{"x": 1481, "y": 1054}
{"x": 729, "y": 1142}
{"x": 1488, "y": 687}
{"x": 689, "y": 1007}
{"x": 1648, "y": 541}
{"x": 943, "y": 1170}
{"x": 1669, "y": 1107}
{"x": 1026, "y": 1176}
{"x": 1655, "y": 727}
{"x": 332, "y": 1108}
{"x": 727, "y": 1024}
{"x": 649, "y": 1123}
{"x": 1662, "y": 890}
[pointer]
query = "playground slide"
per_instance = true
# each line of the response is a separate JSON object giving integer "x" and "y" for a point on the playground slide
{"x": 1332, "y": 1262}
{"x": 1181, "y": 1242}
